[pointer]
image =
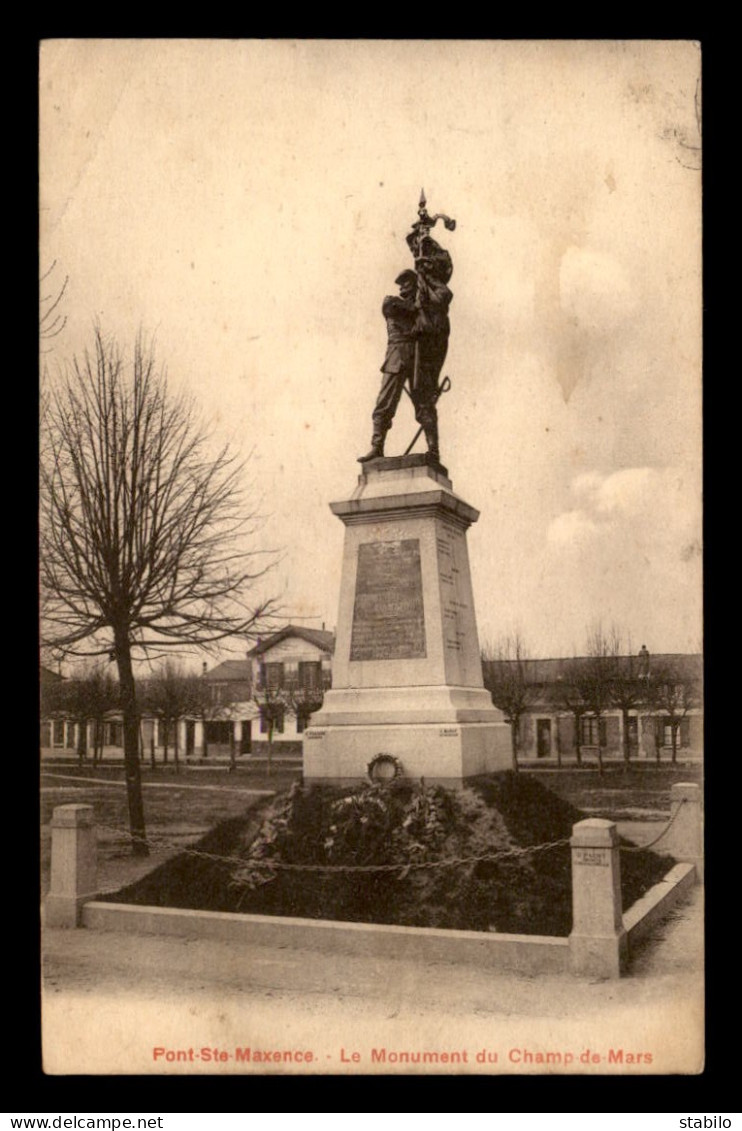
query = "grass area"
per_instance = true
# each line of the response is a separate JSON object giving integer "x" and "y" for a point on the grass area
{"x": 522, "y": 893}
{"x": 180, "y": 813}
{"x": 643, "y": 790}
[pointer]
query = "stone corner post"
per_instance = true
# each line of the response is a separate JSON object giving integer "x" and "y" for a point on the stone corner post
{"x": 74, "y": 864}
{"x": 598, "y": 943}
{"x": 684, "y": 839}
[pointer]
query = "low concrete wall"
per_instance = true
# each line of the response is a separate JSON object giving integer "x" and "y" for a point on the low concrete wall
{"x": 527, "y": 953}
{"x": 658, "y": 901}
{"x": 597, "y": 947}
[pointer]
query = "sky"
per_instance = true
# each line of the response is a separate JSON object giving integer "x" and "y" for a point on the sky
{"x": 246, "y": 203}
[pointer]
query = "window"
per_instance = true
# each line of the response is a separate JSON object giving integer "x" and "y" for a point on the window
{"x": 58, "y": 735}
{"x": 271, "y": 676}
{"x": 593, "y": 731}
{"x": 218, "y": 731}
{"x": 683, "y": 733}
{"x": 115, "y": 734}
{"x": 310, "y": 675}
{"x": 543, "y": 738}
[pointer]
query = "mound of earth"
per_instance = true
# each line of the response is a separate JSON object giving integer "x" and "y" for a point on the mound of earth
{"x": 401, "y": 823}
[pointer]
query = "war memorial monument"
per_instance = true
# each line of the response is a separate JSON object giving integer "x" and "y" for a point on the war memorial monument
{"x": 407, "y": 693}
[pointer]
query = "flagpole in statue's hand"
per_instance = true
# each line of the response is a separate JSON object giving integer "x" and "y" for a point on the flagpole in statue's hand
{"x": 421, "y": 229}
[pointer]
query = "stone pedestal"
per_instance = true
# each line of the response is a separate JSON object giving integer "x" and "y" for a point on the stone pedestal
{"x": 684, "y": 839}
{"x": 407, "y": 672}
{"x": 598, "y": 943}
{"x": 74, "y": 861}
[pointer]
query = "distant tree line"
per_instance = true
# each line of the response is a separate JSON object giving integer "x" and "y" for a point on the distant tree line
{"x": 170, "y": 695}
{"x": 607, "y": 678}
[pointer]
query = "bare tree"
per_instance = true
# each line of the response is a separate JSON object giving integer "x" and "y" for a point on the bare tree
{"x": 87, "y": 697}
{"x": 274, "y": 703}
{"x": 672, "y": 691}
{"x": 51, "y": 320}
{"x": 627, "y": 686}
{"x": 594, "y": 675}
{"x": 171, "y": 695}
{"x": 143, "y": 528}
{"x": 567, "y": 695}
{"x": 302, "y": 702}
{"x": 509, "y": 678}
{"x": 213, "y": 704}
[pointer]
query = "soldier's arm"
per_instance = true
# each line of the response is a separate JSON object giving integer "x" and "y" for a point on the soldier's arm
{"x": 432, "y": 292}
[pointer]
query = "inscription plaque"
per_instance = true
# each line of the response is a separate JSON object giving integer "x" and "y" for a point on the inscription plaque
{"x": 593, "y": 856}
{"x": 388, "y": 614}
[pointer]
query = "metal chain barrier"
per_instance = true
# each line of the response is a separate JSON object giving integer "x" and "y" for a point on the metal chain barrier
{"x": 160, "y": 845}
{"x": 643, "y": 847}
{"x": 121, "y": 784}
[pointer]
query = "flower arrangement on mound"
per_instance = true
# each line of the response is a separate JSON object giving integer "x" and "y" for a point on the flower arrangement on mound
{"x": 399, "y": 852}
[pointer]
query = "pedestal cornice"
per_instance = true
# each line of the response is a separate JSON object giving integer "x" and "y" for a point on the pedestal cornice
{"x": 407, "y": 485}
{"x": 442, "y": 504}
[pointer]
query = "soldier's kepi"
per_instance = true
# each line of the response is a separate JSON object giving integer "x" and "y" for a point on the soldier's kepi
{"x": 417, "y": 328}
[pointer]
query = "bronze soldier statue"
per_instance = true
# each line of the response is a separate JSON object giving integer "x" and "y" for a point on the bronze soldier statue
{"x": 418, "y": 329}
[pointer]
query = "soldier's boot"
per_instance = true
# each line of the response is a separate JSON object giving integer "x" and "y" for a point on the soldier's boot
{"x": 431, "y": 435}
{"x": 377, "y": 445}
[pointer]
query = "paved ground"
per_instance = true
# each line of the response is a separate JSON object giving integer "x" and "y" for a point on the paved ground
{"x": 111, "y": 1001}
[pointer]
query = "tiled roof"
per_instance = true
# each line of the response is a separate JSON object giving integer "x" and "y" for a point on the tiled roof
{"x": 316, "y": 636}
{"x": 550, "y": 671}
{"x": 230, "y": 670}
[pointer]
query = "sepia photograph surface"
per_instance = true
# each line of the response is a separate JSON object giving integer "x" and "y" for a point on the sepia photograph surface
{"x": 371, "y": 562}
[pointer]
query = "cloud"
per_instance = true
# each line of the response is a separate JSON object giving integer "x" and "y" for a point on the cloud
{"x": 571, "y": 527}
{"x": 624, "y": 492}
{"x": 625, "y": 550}
{"x": 637, "y": 504}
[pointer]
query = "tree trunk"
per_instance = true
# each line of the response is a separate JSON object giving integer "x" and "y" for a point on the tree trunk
{"x": 129, "y": 710}
{"x": 81, "y": 737}
{"x": 578, "y": 745}
{"x": 600, "y": 751}
{"x": 658, "y": 740}
{"x": 232, "y": 752}
{"x": 514, "y": 744}
{"x": 165, "y": 739}
{"x": 270, "y": 746}
{"x": 152, "y": 747}
{"x": 626, "y": 740}
{"x": 675, "y": 727}
{"x": 176, "y": 746}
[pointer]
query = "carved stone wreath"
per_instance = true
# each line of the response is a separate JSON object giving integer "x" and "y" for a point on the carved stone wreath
{"x": 384, "y": 768}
